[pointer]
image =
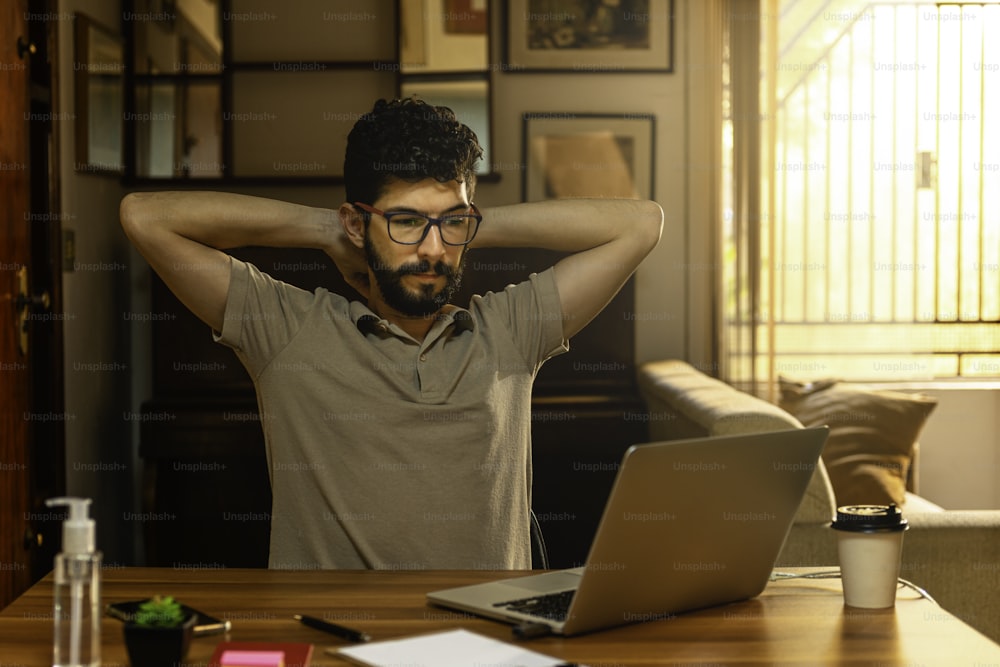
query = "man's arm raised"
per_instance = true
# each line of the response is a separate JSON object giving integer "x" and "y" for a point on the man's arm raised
{"x": 183, "y": 234}
{"x": 608, "y": 239}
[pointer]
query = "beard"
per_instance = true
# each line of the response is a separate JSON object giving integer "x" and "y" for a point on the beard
{"x": 404, "y": 300}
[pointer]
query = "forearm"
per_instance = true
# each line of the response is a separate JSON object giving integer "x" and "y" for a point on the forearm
{"x": 570, "y": 225}
{"x": 225, "y": 220}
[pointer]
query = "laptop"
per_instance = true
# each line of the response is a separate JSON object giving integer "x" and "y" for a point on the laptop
{"x": 689, "y": 524}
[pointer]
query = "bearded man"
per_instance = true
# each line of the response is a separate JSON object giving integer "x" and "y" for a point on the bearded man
{"x": 398, "y": 426}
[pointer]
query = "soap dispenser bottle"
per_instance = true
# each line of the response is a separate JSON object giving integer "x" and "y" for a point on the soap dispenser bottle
{"x": 77, "y": 619}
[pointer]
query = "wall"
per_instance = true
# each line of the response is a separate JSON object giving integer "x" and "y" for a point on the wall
{"x": 99, "y": 459}
{"x": 960, "y": 447}
{"x": 661, "y": 285}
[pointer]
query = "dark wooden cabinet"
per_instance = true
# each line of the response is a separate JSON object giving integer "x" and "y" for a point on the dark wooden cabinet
{"x": 207, "y": 492}
{"x": 206, "y": 486}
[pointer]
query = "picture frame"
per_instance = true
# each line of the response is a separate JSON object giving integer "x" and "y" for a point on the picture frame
{"x": 588, "y": 155}
{"x": 611, "y": 36}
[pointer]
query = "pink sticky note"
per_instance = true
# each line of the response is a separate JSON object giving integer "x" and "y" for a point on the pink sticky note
{"x": 252, "y": 659}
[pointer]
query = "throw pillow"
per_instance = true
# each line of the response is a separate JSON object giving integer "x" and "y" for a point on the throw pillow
{"x": 872, "y": 433}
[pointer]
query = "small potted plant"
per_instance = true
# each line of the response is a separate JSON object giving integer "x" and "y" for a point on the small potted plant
{"x": 159, "y": 634}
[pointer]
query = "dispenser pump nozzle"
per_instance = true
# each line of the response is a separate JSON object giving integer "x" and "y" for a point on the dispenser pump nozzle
{"x": 78, "y": 529}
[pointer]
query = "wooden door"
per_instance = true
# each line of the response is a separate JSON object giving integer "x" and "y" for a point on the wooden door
{"x": 32, "y": 433}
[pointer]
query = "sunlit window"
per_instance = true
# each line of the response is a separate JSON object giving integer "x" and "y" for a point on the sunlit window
{"x": 884, "y": 260}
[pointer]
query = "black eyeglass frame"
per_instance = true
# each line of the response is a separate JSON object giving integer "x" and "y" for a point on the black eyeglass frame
{"x": 431, "y": 222}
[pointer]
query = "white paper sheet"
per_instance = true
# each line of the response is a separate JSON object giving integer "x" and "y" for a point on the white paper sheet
{"x": 452, "y": 648}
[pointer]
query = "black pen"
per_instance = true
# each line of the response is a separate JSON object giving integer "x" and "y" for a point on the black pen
{"x": 333, "y": 628}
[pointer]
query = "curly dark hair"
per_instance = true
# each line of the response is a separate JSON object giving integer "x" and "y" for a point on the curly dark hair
{"x": 409, "y": 140}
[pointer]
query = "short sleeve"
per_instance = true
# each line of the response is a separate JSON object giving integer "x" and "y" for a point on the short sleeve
{"x": 262, "y": 315}
{"x": 533, "y": 313}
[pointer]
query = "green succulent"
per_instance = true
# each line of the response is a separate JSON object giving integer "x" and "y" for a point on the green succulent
{"x": 160, "y": 612}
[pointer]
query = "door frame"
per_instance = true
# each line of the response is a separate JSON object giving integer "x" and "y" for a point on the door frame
{"x": 48, "y": 450}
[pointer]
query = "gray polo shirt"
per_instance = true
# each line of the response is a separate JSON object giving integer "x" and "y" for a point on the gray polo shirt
{"x": 384, "y": 451}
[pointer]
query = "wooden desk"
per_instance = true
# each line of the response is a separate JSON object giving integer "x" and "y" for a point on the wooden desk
{"x": 801, "y": 622}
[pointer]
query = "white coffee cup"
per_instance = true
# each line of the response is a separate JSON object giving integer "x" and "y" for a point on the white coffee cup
{"x": 870, "y": 546}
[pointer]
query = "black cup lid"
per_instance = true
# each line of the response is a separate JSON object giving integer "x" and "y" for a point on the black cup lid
{"x": 869, "y": 518}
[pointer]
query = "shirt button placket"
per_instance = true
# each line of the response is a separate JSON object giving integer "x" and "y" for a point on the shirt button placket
{"x": 421, "y": 378}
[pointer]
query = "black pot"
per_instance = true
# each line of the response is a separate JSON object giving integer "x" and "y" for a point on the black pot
{"x": 158, "y": 647}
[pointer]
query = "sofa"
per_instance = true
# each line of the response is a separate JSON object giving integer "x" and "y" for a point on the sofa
{"x": 953, "y": 555}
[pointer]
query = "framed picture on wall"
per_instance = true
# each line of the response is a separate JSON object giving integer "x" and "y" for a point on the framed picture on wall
{"x": 589, "y": 36}
{"x": 588, "y": 155}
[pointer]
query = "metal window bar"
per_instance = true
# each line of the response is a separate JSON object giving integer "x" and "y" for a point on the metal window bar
{"x": 959, "y": 285}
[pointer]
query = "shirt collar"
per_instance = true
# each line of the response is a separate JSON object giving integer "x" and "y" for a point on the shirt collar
{"x": 463, "y": 319}
{"x": 368, "y": 322}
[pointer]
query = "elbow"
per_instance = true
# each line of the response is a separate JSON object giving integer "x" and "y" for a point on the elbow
{"x": 652, "y": 224}
{"x": 129, "y": 211}
{"x": 133, "y": 212}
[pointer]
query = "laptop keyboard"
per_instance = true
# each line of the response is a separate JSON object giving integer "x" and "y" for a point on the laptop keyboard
{"x": 551, "y": 606}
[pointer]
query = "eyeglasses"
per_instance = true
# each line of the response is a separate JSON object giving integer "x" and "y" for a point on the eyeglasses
{"x": 409, "y": 228}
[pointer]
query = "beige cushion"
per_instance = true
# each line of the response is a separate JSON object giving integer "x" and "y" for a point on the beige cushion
{"x": 684, "y": 402}
{"x": 716, "y": 406}
{"x": 872, "y": 434}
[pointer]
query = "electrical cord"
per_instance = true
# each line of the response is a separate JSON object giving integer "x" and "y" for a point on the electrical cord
{"x": 835, "y": 574}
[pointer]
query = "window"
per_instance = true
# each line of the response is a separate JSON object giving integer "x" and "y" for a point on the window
{"x": 880, "y": 218}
